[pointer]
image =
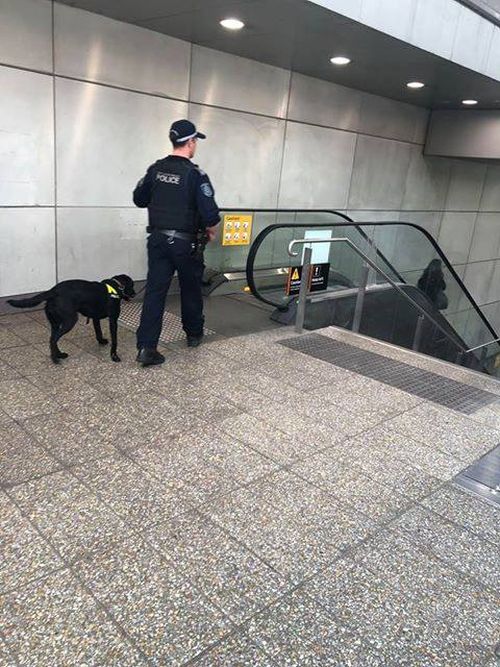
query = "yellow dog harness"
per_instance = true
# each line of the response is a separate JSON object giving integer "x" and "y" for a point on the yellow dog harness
{"x": 112, "y": 292}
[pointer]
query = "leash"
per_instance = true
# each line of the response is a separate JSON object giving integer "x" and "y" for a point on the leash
{"x": 139, "y": 292}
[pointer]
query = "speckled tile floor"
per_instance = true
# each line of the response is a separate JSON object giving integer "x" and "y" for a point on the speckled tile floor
{"x": 241, "y": 506}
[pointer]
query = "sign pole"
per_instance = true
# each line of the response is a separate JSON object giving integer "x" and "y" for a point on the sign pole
{"x": 304, "y": 288}
{"x": 358, "y": 310}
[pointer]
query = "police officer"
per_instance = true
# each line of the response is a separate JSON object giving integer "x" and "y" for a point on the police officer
{"x": 182, "y": 209}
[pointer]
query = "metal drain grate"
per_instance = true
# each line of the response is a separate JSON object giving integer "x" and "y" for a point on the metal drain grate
{"x": 422, "y": 383}
{"x": 483, "y": 477}
{"x": 172, "y": 324}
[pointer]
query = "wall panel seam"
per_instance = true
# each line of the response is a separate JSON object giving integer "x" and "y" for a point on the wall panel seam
{"x": 483, "y": 188}
{"x": 54, "y": 114}
{"x": 212, "y": 106}
{"x": 282, "y": 164}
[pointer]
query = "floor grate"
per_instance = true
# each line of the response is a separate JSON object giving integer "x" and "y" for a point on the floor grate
{"x": 172, "y": 324}
{"x": 483, "y": 477}
{"x": 416, "y": 381}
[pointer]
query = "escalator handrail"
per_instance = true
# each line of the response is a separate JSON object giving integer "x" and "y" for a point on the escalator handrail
{"x": 458, "y": 343}
{"x": 268, "y": 230}
{"x": 345, "y": 217}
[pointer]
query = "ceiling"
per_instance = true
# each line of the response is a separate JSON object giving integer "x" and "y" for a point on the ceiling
{"x": 302, "y": 36}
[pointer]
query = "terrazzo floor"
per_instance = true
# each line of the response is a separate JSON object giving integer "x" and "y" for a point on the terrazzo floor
{"x": 242, "y": 505}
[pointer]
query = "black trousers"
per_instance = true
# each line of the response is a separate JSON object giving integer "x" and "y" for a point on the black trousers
{"x": 165, "y": 257}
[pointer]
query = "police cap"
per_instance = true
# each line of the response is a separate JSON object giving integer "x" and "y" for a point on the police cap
{"x": 183, "y": 130}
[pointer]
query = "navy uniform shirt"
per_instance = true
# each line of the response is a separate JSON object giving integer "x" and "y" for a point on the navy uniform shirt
{"x": 158, "y": 195}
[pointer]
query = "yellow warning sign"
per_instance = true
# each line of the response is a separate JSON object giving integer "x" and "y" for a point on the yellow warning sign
{"x": 295, "y": 275}
{"x": 237, "y": 229}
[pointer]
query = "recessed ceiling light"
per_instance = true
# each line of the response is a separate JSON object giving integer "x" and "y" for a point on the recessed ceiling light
{"x": 340, "y": 60}
{"x": 232, "y": 24}
{"x": 469, "y": 103}
{"x": 415, "y": 84}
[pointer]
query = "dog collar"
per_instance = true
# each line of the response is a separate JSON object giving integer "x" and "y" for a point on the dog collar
{"x": 112, "y": 292}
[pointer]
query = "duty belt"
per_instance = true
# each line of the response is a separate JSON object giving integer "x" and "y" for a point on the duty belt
{"x": 174, "y": 234}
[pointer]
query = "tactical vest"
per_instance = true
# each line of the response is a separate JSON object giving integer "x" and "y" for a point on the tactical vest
{"x": 173, "y": 202}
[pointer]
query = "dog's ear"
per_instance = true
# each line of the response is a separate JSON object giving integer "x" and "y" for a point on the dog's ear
{"x": 124, "y": 279}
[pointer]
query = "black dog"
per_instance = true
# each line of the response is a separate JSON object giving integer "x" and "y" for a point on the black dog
{"x": 92, "y": 299}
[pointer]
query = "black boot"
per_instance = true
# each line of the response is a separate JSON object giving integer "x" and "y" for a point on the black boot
{"x": 194, "y": 341}
{"x": 150, "y": 357}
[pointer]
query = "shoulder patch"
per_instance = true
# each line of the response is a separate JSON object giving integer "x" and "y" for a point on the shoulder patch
{"x": 206, "y": 189}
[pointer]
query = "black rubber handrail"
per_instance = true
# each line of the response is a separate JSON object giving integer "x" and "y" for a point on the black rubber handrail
{"x": 345, "y": 217}
{"x": 268, "y": 230}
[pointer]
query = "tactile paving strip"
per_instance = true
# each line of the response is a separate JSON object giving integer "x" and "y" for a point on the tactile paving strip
{"x": 172, "y": 324}
{"x": 421, "y": 383}
{"x": 483, "y": 477}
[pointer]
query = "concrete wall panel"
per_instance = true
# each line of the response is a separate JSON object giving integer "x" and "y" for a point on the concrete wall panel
{"x": 228, "y": 81}
{"x": 96, "y": 48}
{"x": 26, "y": 139}
{"x": 27, "y": 250}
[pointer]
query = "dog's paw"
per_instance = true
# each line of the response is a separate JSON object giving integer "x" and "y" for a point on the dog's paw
{"x": 115, "y": 357}
{"x": 62, "y": 355}
{"x": 103, "y": 341}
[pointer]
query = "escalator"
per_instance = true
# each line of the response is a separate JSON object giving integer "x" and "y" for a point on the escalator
{"x": 386, "y": 262}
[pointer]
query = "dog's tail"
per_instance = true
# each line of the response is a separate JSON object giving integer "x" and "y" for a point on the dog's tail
{"x": 29, "y": 303}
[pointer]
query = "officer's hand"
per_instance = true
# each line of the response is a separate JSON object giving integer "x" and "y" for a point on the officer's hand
{"x": 212, "y": 232}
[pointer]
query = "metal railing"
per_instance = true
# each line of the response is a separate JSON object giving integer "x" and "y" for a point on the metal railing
{"x": 272, "y": 228}
{"x": 483, "y": 354}
{"x": 358, "y": 309}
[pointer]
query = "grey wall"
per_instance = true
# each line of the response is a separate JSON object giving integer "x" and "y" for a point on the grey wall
{"x": 464, "y": 134}
{"x": 86, "y": 106}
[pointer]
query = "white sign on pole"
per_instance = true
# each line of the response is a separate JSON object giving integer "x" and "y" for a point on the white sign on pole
{"x": 320, "y": 251}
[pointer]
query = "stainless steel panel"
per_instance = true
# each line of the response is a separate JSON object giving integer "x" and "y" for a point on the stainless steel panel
{"x": 466, "y": 185}
{"x": 380, "y": 169}
{"x": 324, "y": 103}
{"x": 26, "y": 139}
{"x": 96, "y": 243}
{"x": 455, "y": 235}
{"x": 387, "y": 118}
{"x": 26, "y": 33}
{"x": 391, "y": 16}
{"x": 486, "y": 239}
{"x": 490, "y": 201}
{"x": 97, "y": 48}
{"x": 427, "y": 182}
{"x": 27, "y": 250}
{"x": 472, "y": 41}
{"x": 222, "y": 79}
{"x": 435, "y": 26}
{"x": 106, "y": 138}
{"x": 242, "y": 155}
{"x": 317, "y": 165}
